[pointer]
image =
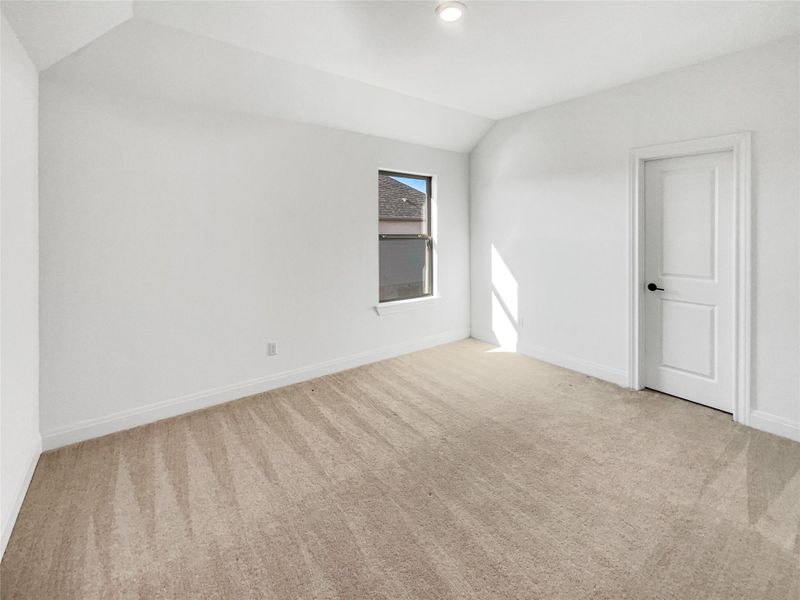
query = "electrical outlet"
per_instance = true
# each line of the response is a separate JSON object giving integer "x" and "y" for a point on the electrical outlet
{"x": 272, "y": 348}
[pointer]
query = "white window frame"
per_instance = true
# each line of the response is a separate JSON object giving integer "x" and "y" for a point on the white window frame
{"x": 391, "y": 307}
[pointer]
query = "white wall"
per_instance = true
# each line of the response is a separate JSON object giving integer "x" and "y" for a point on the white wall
{"x": 177, "y": 241}
{"x": 19, "y": 279}
{"x": 549, "y": 190}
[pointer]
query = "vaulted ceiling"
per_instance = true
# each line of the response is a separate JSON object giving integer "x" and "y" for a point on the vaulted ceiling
{"x": 383, "y": 68}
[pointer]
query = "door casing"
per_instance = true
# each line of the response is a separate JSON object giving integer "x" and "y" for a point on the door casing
{"x": 740, "y": 145}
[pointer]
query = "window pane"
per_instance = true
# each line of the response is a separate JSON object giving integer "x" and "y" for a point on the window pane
{"x": 402, "y": 204}
{"x": 404, "y": 232}
{"x": 404, "y": 268}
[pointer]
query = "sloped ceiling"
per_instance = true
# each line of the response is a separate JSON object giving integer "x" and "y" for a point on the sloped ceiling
{"x": 143, "y": 58}
{"x": 51, "y": 30}
{"x": 383, "y": 68}
{"x": 502, "y": 58}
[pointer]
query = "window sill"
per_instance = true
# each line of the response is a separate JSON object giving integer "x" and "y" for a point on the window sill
{"x": 397, "y": 306}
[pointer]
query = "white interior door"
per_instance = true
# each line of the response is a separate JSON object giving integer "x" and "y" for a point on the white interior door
{"x": 690, "y": 257}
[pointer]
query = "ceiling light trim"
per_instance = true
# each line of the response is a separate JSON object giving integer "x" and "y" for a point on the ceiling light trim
{"x": 450, "y": 11}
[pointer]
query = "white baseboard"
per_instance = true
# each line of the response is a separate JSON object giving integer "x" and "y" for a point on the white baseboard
{"x": 774, "y": 424}
{"x": 92, "y": 428}
{"x": 758, "y": 419}
{"x": 8, "y": 526}
{"x": 575, "y": 364}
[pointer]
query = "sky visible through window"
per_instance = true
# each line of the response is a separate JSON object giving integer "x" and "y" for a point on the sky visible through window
{"x": 417, "y": 184}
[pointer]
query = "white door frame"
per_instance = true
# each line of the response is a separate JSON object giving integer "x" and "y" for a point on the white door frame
{"x": 740, "y": 145}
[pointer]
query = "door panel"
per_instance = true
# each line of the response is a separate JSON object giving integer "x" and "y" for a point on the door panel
{"x": 686, "y": 320}
{"x": 689, "y": 252}
{"x": 689, "y": 207}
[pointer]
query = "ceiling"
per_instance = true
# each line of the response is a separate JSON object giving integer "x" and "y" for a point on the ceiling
{"x": 412, "y": 76}
{"x": 502, "y": 58}
{"x": 143, "y": 58}
{"x": 52, "y": 30}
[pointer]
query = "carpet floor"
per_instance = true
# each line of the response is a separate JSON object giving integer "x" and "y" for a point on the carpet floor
{"x": 449, "y": 473}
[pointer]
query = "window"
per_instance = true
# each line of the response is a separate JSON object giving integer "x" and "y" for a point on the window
{"x": 404, "y": 236}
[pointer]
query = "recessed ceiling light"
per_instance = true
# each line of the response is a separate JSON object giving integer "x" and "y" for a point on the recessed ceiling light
{"x": 450, "y": 11}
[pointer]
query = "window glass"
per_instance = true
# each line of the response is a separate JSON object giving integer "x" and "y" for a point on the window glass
{"x": 404, "y": 236}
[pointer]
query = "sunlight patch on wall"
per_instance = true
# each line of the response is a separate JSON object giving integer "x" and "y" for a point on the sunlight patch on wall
{"x": 505, "y": 302}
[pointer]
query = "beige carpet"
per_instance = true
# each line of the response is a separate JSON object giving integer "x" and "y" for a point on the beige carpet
{"x": 449, "y": 473}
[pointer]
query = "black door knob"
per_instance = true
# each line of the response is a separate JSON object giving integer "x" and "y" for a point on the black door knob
{"x": 653, "y": 287}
